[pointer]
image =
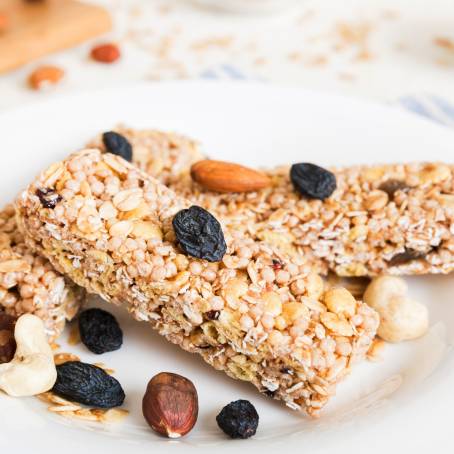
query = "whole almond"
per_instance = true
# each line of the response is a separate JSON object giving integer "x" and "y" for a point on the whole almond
{"x": 106, "y": 53}
{"x": 223, "y": 176}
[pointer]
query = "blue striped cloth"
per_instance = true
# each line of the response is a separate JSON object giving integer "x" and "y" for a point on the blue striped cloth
{"x": 432, "y": 107}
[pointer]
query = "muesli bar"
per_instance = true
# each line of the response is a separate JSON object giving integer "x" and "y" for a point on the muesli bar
{"x": 258, "y": 315}
{"x": 29, "y": 283}
{"x": 385, "y": 219}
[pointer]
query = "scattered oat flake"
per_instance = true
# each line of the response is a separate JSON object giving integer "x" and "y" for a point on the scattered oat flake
{"x": 113, "y": 415}
{"x": 220, "y": 42}
{"x": 260, "y": 61}
{"x": 305, "y": 17}
{"x": 445, "y": 43}
{"x": 390, "y": 14}
{"x": 317, "y": 60}
{"x": 375, "y": 350}
{"x": 347, "y": 77}
{"x": 54, "y": 346}
{"x": 104, "y": 368}
{"x": 164, "y": 9}
{"x": 61, "y": 358}
{"x": 295, "y": 56}
{"x": 74, "y": 335}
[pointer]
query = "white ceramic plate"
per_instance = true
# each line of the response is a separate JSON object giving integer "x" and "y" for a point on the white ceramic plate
{"x": 404, "y": 402}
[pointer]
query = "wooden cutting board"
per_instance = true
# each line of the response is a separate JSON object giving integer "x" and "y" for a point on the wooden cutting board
{"x": 42, "y": 27}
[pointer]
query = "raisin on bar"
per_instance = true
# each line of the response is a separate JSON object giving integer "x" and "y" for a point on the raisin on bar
{"x": 383, "y": 219}
{"x": 113, "y": 234}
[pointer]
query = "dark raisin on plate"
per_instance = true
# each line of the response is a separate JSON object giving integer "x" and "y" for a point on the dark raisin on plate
{"x": 100, "y": 331}
{"x": 238, "y": 419}
{"x": 117, "y": 144}
{"x": 199, "y": 234}
{"x": 88, "y": 385}
{"x": 48, "y": 197}
{"x": 312, "y": 181}
{"x": 7, "y": 341}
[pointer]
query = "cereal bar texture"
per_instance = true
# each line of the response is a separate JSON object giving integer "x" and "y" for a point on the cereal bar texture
{"x": 386, "y": 219}
{"x": 28, "y": 282}
{"x": 258, "y": 315}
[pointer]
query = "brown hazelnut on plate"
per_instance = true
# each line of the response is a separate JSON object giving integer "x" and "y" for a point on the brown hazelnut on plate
{"x": 170, "y": 404}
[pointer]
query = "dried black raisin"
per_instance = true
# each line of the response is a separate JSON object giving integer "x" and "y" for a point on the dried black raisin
{"x": 99, "y": 331}
{"x": 48, "y": 197}
{"x": 199, "y": 234}
{"x": 117, "y": 144}
{"x": 407, "y": 256}
{"x": 312, "y": 181}
{"x": 277, "y": 265}
{"x": 392, "y": 186}
{"x": 212, "y": 315}
{"x": 88, "y": 385}
{"x": 238, "y": 419}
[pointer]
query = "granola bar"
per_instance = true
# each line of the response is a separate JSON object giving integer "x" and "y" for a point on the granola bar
{"x": 258, "y": 315}
{"x": 29, "y": 283}
{"x": 388, "y": 219}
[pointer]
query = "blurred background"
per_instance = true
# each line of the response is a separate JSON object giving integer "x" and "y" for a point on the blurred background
{"x": 380, "y": 49}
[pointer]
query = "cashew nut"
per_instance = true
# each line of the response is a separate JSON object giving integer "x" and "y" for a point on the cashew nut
{"x": 32, "y": 370}
{"x": 401, "y": 318}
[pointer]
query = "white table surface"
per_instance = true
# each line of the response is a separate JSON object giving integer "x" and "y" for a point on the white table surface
{"x": 168, "y": 39}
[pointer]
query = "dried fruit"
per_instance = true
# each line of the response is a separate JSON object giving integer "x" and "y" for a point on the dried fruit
{"x": 212, "y": 315}
{"x": 105, "y": 53}
{"x": 238, "y": 419}
{"x": 199, "y": 234}
{"x": 7, "y": 341}
{"x": 48, "y": 197}
{"x": 312, "y": 181}
{"x": 117, "y": 144}
{"x": 45, "y": 76}
{"x": 170, "y": 404}
{"x": 228, "y": 177}
{"x": 99, "y": 331}
{"x": 88, "y": 385}
{"x": 392, "y": 186}
{"x": 407, "y": 256}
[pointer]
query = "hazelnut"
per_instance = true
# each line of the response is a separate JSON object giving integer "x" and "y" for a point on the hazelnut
{"x": 7, "y": 342}
{"x": 170, "y": 404}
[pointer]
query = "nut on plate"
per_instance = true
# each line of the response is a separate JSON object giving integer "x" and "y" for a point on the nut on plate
{"x": 223, "y": 176}
{"x": 45, "y": 76}
{"x": 401, "y": 318}
{"x": 32, "y": 370}
{"x": 170, "y": 404}
{"x": 105, "y": 53}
